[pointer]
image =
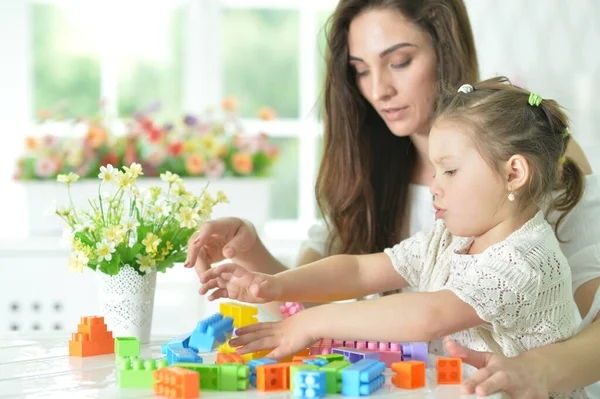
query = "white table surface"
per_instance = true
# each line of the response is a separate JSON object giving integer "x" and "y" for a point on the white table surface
{"x": 40, "y": 367}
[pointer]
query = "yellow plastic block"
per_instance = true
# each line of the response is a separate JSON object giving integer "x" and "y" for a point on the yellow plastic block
{"x": 243, "y": 315}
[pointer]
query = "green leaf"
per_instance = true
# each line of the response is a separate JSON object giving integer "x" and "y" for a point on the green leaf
{"x": 84, "y": 239}
{"x": 111, "y": 268}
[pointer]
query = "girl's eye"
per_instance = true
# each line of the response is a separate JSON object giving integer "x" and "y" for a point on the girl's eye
{"x": 450, "y": 172}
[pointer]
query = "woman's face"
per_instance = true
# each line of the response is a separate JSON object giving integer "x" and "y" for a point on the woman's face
{"x": 396, "y": 69}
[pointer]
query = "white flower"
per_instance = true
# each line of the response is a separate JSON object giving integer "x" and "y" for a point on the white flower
{"x": 70, "y": 178}
{"x": 188, "y": 217}
{"x": 130, "y": 224}
{"x": 77, "y": 262}
{"x": 104, "y": 250}
{"x": 161, "y": 208}
{"x": 67, "y": 237}
{"x": 108, "y": 174}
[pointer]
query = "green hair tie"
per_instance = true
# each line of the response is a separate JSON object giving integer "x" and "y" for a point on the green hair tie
{"x": 562, "y": 159}
{"x": 534, "y": 99}
{"x": 566, "y": 133}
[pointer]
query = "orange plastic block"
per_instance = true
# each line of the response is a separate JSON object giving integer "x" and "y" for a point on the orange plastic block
{"x": 290, "y": 358}
{"x": 91, "y": 338}
{"x": 409, "y": 375}
{"x": 243, "y": 315}
{"x": 177, "y": 383}
{"x": 300, "y": 359}
{"x": 223, "y": 358}
{"x": 449, "y": 370}
{"x": 273, "y": 377}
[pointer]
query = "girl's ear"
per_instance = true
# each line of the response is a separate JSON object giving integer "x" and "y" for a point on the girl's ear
{"x": 517, "y": 172}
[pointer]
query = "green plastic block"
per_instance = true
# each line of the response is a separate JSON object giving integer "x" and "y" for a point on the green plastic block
{"x": 137, "y": 373}
{"x": 210, "y": 374}
{"x": 334, "y": 357}
{"x": 127, "y": 346}
{"x": 295, "y": 369}
{"x": 234, "y": 377}
{"x": 333, "y": 375}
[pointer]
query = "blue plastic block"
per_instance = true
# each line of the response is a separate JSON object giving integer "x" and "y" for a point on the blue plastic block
{"x": 355, "y": 355}
{"x": 310, "y": 384}
{"x": 182, "y": 355}
{"x": 180, "y": 341}
{"x": 208, "y": 332}
{"x": 316, "y": 362}
{"x": 362, "y": 378}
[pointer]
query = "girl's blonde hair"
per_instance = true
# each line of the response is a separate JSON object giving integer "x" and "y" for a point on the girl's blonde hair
{"x": 503, "y": 123}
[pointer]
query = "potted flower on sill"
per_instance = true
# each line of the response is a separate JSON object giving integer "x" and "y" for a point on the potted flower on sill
{"x": 127, "y": 235}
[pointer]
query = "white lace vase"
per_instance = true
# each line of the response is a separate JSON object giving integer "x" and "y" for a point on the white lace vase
{"x": 127, "y": 301}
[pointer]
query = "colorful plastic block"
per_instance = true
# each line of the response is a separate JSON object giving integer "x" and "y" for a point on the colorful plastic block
{"x": 210, "y": 331}
{"x": 243, "y": 315}
{"x": 355, "y": 355}
{"x": 127, "y": 346}
{"x": 310, "y": 385}
{"x": 300, "y": 359}
{"x": 182, "y": 355}
{"x": 290, "y": 308}
{"x": 137, "y": 373}
{"x": 234, "y": 377}
{"x": 209, "y": 374}
{"x": 290, "y": 358}
{"x": 322, "y": 347}
{"x": 176, "y": 383}
{"x": 91, "y": 338}
{"x": 179, "y": 341}
{"x": 333, "y": 375}
{"x": 362, "y": 378}
{"x": 449, "y": 370}
{"x": 299, "y": 367}
{"x": 273, "y": 377}
{"x": 409, "y": 375}
{"x": 223, "y": 358}
{"x": 415, "y": 351}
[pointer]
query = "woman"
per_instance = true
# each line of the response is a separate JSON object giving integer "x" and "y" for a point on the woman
{"x": 385, "y": 61}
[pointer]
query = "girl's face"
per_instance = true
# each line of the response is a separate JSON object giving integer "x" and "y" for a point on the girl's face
{"x": 396, "y": 69}
{"x": 469, "y": 195}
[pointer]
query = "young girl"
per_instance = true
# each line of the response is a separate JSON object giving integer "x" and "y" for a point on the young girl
{"x": 491, "y": 273}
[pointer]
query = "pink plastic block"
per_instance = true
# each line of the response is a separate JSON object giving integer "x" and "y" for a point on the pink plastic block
{"x": 361, "y": 345}
{"x": 372, "y": 346}
{"x": 390, "y": 357}
{"x": 337, "y": 343}
{"x": 395, "y": 347}
{"x": 290, "y": 308}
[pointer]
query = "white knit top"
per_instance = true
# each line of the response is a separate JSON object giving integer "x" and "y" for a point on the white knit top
{"x": 520, "y": 286}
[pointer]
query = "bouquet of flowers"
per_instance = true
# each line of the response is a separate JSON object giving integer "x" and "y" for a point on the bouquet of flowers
{"x": 125, "y": 225}
{"x": 213, "y": 144}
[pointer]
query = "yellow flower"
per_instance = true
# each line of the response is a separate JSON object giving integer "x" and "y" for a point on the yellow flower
{"x": 151, "y": 243}
{"x": 68, "y": 179}
{"x": 104, "y": 250}
{"x": 125, "y": 180}
{"x": 222, "y": 197}
{"x": 170, "y": 177}
{"x": 114, "y": 233}
{"x": 146, "y": 263}
{"x": 154, "y": 192}
{"x": 135, "y": 170}
{"x": 208, "y": 142}
{"x": 188, "y": 217}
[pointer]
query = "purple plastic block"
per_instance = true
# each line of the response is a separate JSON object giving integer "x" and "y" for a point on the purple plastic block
{"x": 354, "y": 355}
{"x": 414, "y": 351}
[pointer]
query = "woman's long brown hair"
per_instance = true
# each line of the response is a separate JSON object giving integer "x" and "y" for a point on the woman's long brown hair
{"x": 363, "y": 180}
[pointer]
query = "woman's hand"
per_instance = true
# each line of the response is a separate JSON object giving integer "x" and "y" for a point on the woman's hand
{"x": 285, "y": 337}
{"x": 521, "y": 377}
{"x": 233, "y": 281}
{"x": 223, "y": 238}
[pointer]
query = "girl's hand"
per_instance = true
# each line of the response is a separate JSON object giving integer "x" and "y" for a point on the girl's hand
{"x": 223, "y": 238}
{"x": 285, "y": 337}
{"x": 520, "y": 377}
{"x": 233, "y": 281}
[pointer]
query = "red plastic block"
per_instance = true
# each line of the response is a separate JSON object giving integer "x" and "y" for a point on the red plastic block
{"x": 409, "y": 375}
{"x": 449, "y": 370}
{"x": 91, "y": 338}
{"x": 273, "y": 377}
{"x": 177, "y": 383}
{"x": 223, "y": 358}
